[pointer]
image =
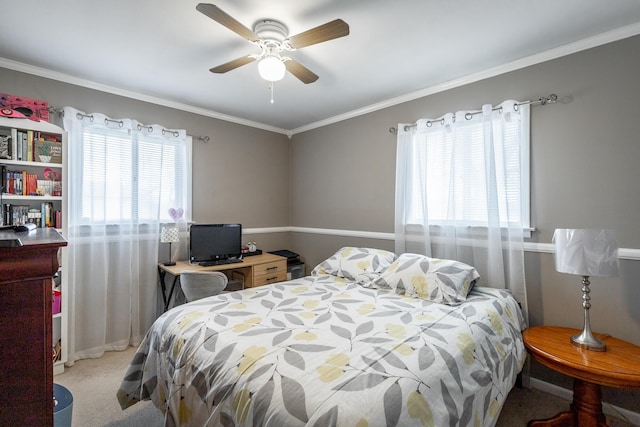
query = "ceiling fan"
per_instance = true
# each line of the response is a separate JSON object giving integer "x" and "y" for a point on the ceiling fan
{"x": 272, "y": 37}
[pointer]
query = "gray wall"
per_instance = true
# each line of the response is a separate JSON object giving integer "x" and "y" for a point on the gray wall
{"x": 584, "y": 172}
{"x": 584, "y": 155}
{"x": 241, "y": 175}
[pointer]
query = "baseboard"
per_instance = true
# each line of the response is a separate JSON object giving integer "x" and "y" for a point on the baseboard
{"x": 563, "y": 393}
{"x": 58, "y": 368}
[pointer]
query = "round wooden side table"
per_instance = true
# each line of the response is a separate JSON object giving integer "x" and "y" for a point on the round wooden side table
{"x": 618, "y": 366}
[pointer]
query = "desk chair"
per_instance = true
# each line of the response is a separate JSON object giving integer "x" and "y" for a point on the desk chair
{"x": 201, "y": 284}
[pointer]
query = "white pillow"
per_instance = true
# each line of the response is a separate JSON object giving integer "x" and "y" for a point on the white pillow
{"x": 438, "y": 280}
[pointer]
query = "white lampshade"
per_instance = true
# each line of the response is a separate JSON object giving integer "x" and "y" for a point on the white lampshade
{"x": 586, "y": 252}
{"x": 271, "y": 68}
{"x": 169, "y": 234}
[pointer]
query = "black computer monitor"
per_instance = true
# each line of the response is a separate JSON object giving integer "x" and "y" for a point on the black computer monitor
{"x": 211, "y": 242}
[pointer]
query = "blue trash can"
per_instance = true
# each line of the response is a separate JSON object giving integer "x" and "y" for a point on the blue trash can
{"x": 62, "y": 406}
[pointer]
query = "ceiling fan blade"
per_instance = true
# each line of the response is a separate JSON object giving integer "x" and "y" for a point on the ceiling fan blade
{"x": 222, "y": 18}
{"x": 329, "y": 31}
{"x": 232, "y": 65}
{"x": 305, "y": 75}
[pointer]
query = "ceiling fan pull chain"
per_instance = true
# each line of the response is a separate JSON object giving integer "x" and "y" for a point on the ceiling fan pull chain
{"x": 271, "y": 89}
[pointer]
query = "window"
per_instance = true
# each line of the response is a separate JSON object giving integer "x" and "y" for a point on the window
{"x": 462, "y": 191}
{"x": 130, "y": 177}
{"x": 452, "y": 161}
{"x": 123, "y": 177}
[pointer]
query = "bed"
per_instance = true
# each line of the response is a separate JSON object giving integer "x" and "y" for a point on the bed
{"x": 368, "y": 339}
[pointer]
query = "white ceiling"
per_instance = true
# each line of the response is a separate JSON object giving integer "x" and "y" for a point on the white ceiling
{"x": 162, "y": 50}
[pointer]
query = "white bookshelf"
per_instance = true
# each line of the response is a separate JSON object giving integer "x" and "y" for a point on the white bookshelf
{"x": 10, "y": 126}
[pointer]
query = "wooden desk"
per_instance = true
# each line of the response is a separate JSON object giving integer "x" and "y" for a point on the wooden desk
{"x": 258, "y": 270}
{"x": 618, "y": 366}
{"x": 26, "y": 358}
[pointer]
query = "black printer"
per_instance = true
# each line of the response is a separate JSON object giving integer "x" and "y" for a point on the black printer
{"x": 295, "y": 267}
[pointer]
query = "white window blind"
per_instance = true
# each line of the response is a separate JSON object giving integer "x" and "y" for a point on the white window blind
{"x": 462, "y": 191}
{"x": 450, "y": 168}
{"x": 131, "y": 177}
{"x": 122, "y": 177}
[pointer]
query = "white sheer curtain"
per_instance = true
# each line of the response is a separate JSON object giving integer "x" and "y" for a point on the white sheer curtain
{"x": 462, "y": 191}
{"x": 122, "y": 177}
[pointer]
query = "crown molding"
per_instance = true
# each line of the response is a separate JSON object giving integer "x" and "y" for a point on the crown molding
{"x": 567, "y": 49}
{"x": 66, "y": 78}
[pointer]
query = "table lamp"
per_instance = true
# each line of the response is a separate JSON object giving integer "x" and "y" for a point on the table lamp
{"x": 586, "y": 253}
{"x": 169, "y": 234}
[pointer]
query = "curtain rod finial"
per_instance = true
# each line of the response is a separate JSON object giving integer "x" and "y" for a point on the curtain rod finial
{"x": 551, "y": 99}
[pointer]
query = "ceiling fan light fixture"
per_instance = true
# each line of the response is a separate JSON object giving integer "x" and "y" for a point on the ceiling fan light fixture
{"x": 271, "y": 68}
{"x": 272, "y": 37}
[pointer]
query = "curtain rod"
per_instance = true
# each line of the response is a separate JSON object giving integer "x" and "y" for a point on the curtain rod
{"x": 551, "y": 99}
{"x": 60, "y": 113}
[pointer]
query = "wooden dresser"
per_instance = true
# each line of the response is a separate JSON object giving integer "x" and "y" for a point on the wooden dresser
{"x": 26, "y": 363}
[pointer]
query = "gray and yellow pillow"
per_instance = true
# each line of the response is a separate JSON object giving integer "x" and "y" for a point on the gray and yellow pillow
{"x": 438, "y": 280}
{"x": 350, "y": 262}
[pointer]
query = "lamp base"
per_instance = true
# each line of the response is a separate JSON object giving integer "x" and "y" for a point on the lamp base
{"x": 588, "y": 342}
{"x": 168, "y": 263}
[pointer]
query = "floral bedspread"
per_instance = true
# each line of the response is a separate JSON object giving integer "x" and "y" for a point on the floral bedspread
{"x": 324, "y": 351}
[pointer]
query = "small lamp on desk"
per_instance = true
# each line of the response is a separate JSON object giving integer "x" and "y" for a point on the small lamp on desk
{"x": 586, "y": 253}
{"x": 169, "y": 234}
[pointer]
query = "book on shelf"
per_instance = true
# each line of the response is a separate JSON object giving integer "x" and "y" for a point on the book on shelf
{"x": 58, "y": 219}
{"x": 29, "y": 155}
{"x": 48, "y": 187}
{"x": 34, "y": 216}
{"x": 22, "y": 136}
{"x": 5, "y": 143}
{"x": 15, "y": 214}
{"x": 30, "y": 187}
{"x": 6, "y": 214}
{"x": 16, "y": 182}
{"x": 46, "y": 216}
{"x": 14, "y": 144}
{"x": 21, "y": 182}
{"x": 12, "y": 182}
{"x": 30, "y": 146}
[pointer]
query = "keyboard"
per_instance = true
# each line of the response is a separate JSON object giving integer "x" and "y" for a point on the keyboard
{"x": 220, "y": 262}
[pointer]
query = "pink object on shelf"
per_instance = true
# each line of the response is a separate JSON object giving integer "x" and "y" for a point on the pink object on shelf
{"x": 57, "y": 302}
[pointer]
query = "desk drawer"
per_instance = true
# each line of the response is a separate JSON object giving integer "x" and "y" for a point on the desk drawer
{"x": 266, "y": 279}
{"x": 272, "y": 272}
{"x": 270, "y": 268}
